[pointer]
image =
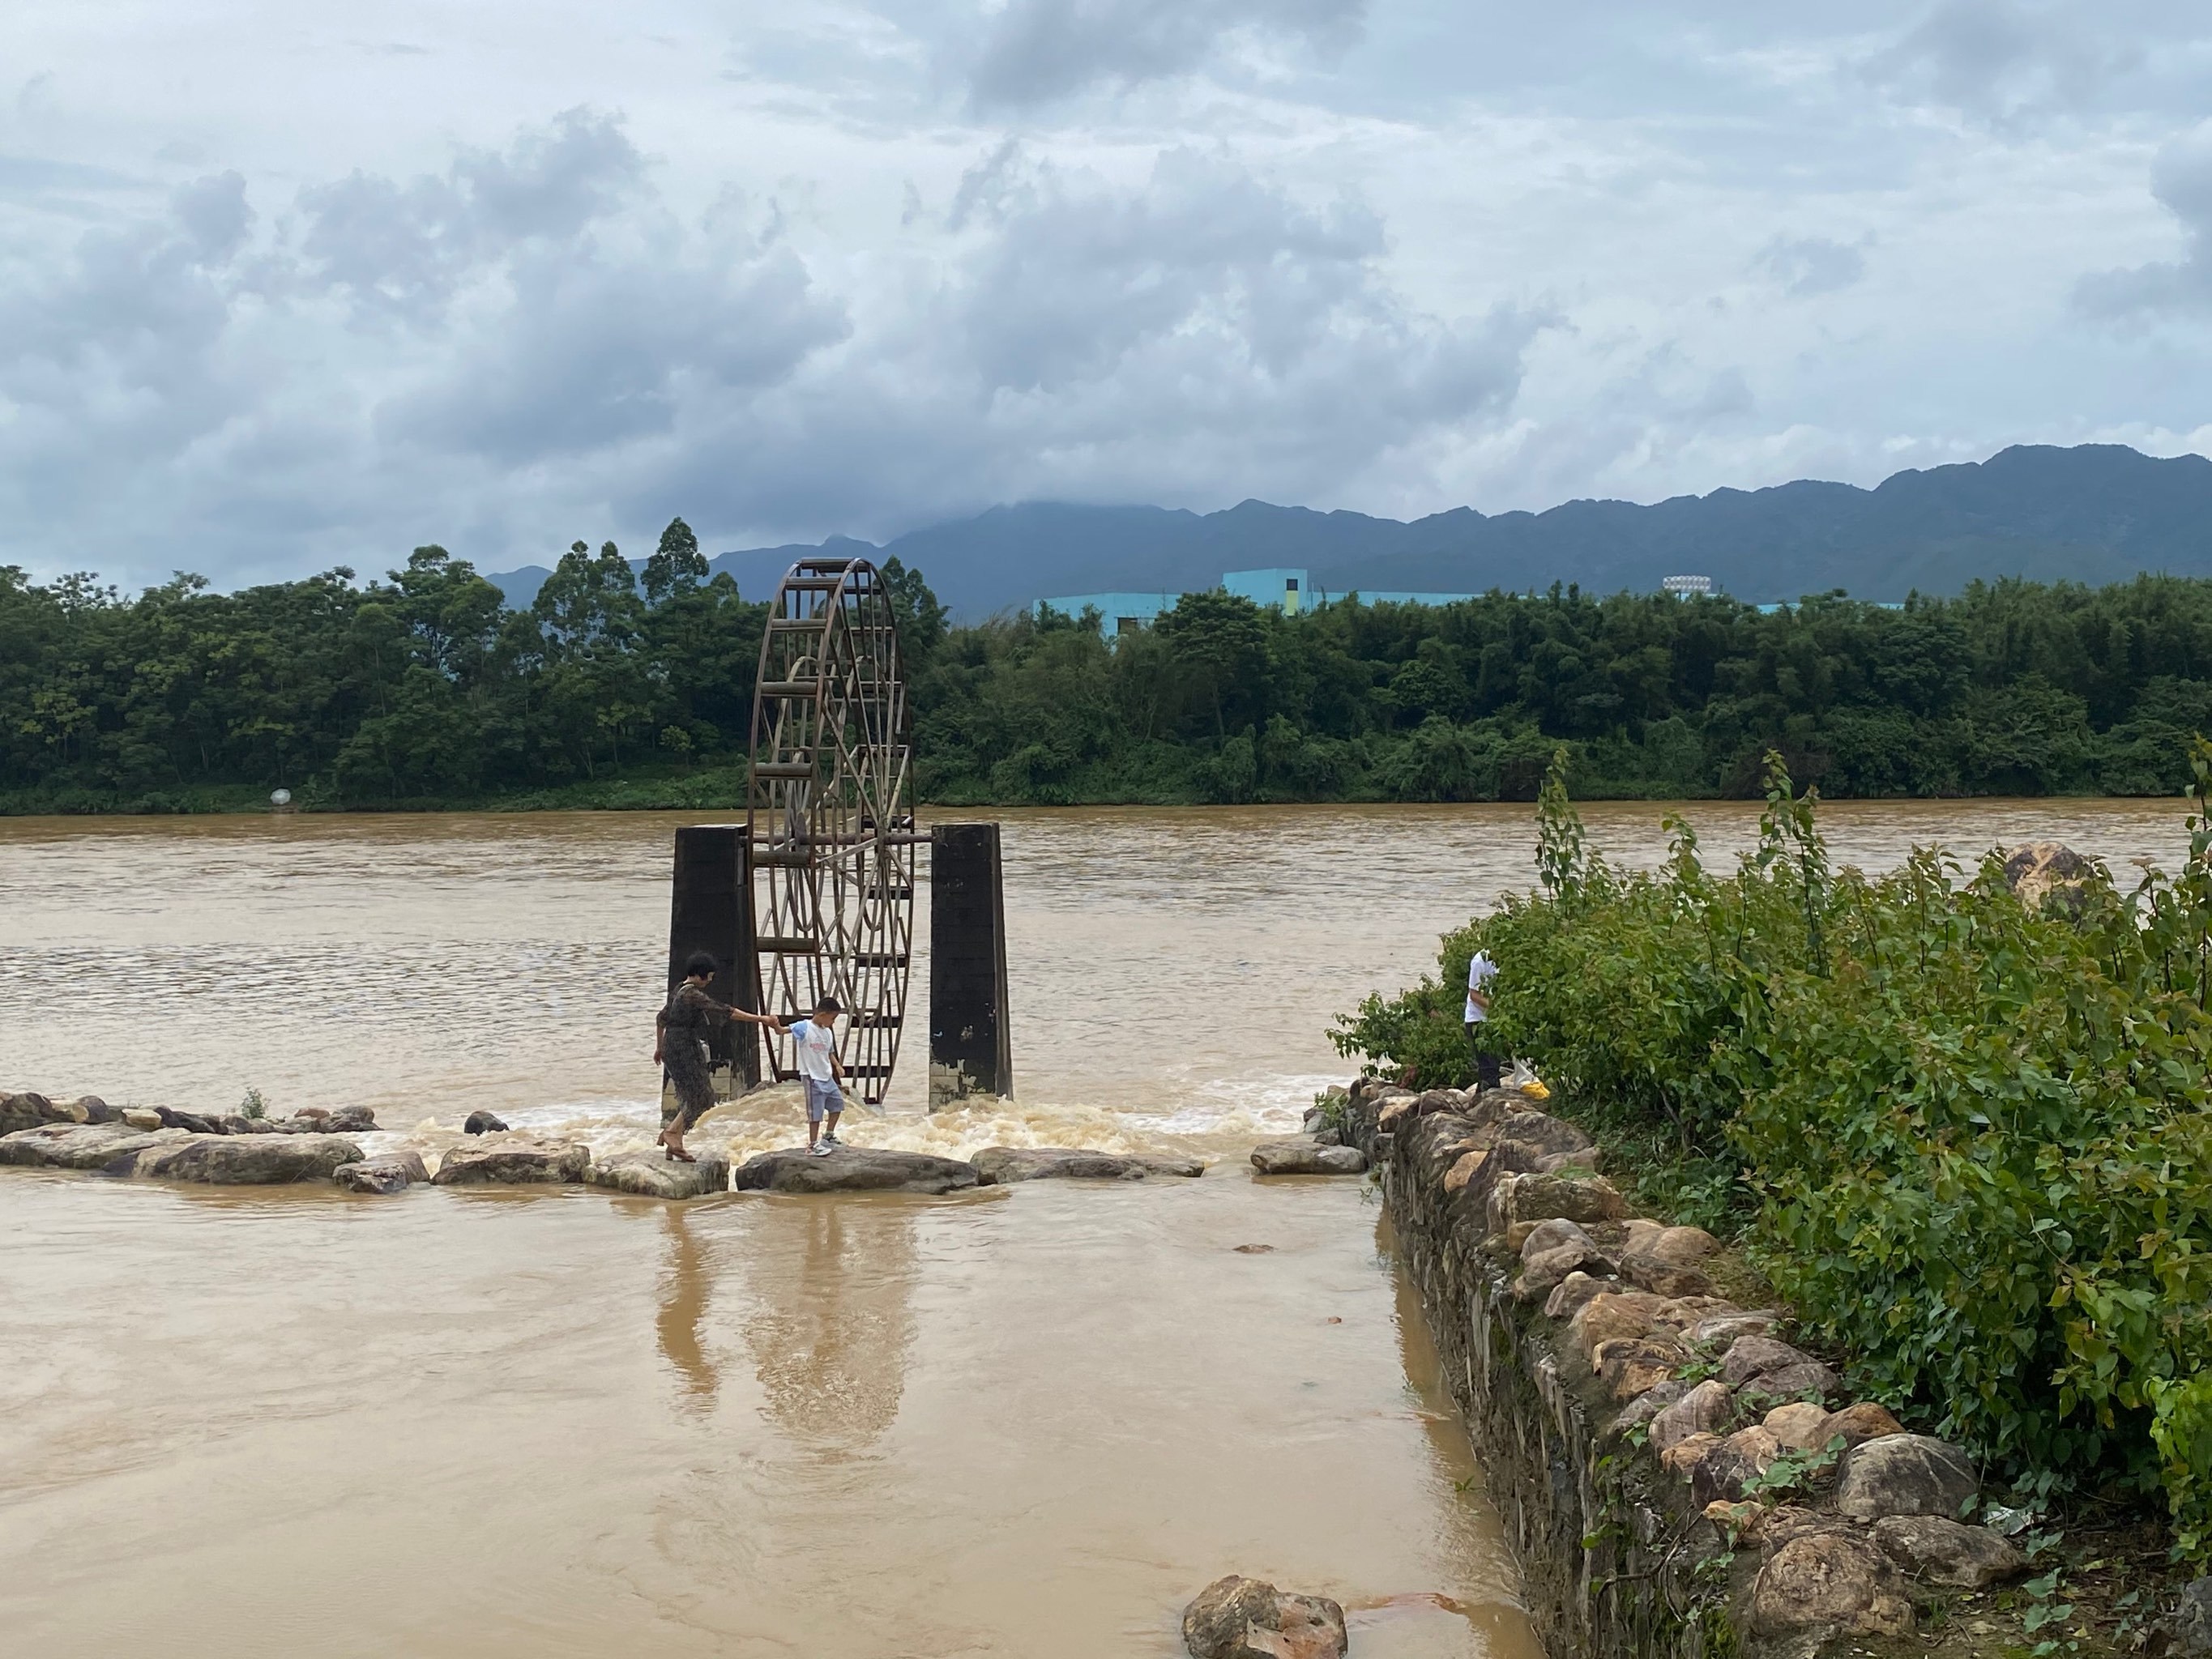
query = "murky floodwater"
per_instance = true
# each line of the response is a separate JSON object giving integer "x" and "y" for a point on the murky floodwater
{"x": 489, "y": 1424}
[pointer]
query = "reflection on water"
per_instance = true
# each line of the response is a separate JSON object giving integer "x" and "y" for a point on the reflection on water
{"x": 681, "y": 1320}
{"x": 487, "y": 1425}
{"x": 830, "y": 1317}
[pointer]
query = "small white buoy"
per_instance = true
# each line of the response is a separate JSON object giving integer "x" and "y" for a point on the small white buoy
{"x": 280, "y": 797}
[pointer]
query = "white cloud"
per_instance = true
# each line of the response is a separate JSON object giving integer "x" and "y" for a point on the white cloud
{"x": 275, "y": 295}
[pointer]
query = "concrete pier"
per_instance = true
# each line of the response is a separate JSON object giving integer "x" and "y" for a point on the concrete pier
{"x": 710, "y": 909}
{"x": 971, "y": 1050}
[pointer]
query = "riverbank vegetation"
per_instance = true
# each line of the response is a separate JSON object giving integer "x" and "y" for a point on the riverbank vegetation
{"x": 424, "y": 689}
{"x": 1965, "y": 1139}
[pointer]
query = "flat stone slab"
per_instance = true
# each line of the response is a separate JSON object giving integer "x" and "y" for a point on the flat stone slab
{"x": 854, "y": 1169}
{"x": 236, "y": 1160}
{"x": 81, "y": 1146}
{"x": 1001, "y": 1166}
{"x": 1279, "y": 1157}
{"x": 648, "y": 1175}
{"x": 514, "y": 1162}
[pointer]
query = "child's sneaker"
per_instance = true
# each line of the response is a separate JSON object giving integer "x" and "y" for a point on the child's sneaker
{"x": 822, "y": 1149}
{"x": 829, "y": 1140}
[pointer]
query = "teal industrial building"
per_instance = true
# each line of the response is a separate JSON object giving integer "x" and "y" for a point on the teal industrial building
{"x": 1286, "y": 590}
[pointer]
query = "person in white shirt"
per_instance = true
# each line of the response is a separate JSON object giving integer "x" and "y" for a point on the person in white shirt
{"x": 815, "y": 1040}
{"x": 1488, "y": 1065}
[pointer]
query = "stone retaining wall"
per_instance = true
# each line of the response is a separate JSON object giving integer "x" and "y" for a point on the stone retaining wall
{"x": 1579, "y": 1340}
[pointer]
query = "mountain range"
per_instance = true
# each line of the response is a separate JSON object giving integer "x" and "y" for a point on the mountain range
{"x": 2094, "y": 513}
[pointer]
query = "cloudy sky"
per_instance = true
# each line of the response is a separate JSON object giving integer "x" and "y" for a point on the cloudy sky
{"x": 284, "y": 287}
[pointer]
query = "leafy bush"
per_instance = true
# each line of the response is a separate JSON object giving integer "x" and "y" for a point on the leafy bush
{"x": 1968, "y": 1140}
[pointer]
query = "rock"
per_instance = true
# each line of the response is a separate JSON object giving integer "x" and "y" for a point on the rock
{"x": 1591, "y": 1162}
{"x": 79, "y": 1145}
{"x": 1664, "y": 1278}
{"x": 91, "y": 1108}
{"x": 650, "y": 1175}
{"x": 852, "y": 1168}
{"x": 1553, "y": 1250}
{"x": 1606, "y": 1317}
{"x": 1903, "y": 1475}
{"x": 1542, "y": 1197}
{"x": 520, "y": 1163}
{"x": 1748, "y": 1356}
{"x": 1686, "y": 1455}
{"x": 1325, "y": 1136}
{"x": 1646, "y": 1406}
{"x": 394, "y": 1172}
{"x": 1406, "y": 1108}
{"x": 145, "y": 1119}
{"x": 350, "y": 1120}
{"x": 482, "y": 1123}
{"x": 1543, "y": 1135}
{"x": 1537, "y": 1236}
{"x": 190, "y": 1121}
{"x": 25, "y": 1110}
{"x": 238, "y": 1124}
{"x": 1798, "y": 1427}
{"x": 1465, "y": 1170}
{"x": 237, "y": 1160}
{"x": 2188, "y": 1629}
{"x": 1630, "y": 1365}
{"x": 1685, "y": 1246}
{"x": 1807, "y": 1377}
{"x": 1002, "y": 1166}
{"x": 1287, "y": 1158}
{"x": 2039, "y": 871}
{"x": 1719, "y": 1330}
{"x": 1236, "y": 1618}
{"x": 1862, "y": 1421}
{"x": 1948, "y": 1552}
{"x": 1575, "y": 1292}
{"x": 1638, "y": 1236}
{"x": 1828, "y": 1581}
{"x": 1685, "y": 1313}
{"x": 1704, "y": 1409}
{"x": 1720, "y": 1474}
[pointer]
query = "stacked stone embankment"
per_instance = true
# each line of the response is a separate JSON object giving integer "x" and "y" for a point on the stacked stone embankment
{"x": 1676, "y": 1478}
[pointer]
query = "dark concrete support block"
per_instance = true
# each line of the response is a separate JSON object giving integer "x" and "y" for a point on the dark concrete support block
{"x": 971, "y": 1050}
{"x": 711, "y": 909}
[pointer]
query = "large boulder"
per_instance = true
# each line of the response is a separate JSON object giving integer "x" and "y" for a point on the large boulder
{"x": 1903, "y": 1475}
{"x": 394, "y": 1172}
{"x": 1577, "y": 1292}
{"x": 652, "y": 1174}
{"x": 1002, "y": 1166}
{"x": 484, "y": 1123}
{"x": 1750, "y": 1355}
{"x": 1397, "y": 1112}
{"x": 516, "y": 1162}
{"x": 1303, "y": 1157}
{"x": 1821, "y": 1581}
{"x": 237, "y": 1160}
{"x": 1629, "y": 1366}
{"x": 1552, "y": 1250}
{"x": 1863, "y": 1421}
{"x": 852, "y": 1168}
{"x": 1944, "y": 1552}
{"x": 80, "y": 1145}
{"x": 1237, "y": 1618}
{"x": 25, "y": 1110}
{"x": 2038, "y": 870}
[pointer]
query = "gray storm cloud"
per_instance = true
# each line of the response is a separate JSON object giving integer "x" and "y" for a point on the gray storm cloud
{"x": 854, "y": 265}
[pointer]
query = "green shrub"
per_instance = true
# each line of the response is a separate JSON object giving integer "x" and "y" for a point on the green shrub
{"x": 1969, "y": 1139}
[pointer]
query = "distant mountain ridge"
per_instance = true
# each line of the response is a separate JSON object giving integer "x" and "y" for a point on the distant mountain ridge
{"x": 2095, "y": 513}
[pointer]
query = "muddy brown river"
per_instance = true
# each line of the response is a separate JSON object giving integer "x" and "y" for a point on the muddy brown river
{"x": 563, "y": 1423}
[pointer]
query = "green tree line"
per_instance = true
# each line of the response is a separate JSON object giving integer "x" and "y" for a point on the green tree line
{"x": 424, "y": 689}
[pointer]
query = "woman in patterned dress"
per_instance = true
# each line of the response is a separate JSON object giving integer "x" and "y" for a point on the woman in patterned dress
{"x": 680, "y": 1044}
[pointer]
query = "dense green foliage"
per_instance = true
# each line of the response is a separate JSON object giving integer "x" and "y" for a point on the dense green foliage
{"x": 423, "y": 688}
{"x": 1969, "y": 1140}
